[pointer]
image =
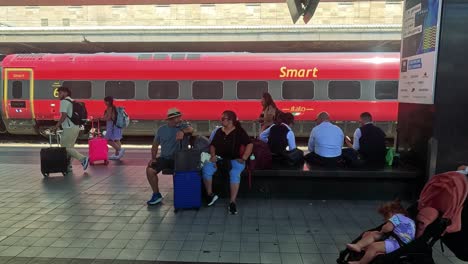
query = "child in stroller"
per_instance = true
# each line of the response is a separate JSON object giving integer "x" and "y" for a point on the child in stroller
{"x": 398, "y": 225}
{"x": 441, "y": 214}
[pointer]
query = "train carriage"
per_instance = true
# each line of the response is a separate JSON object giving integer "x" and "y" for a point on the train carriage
{"x": 202, "y": 85}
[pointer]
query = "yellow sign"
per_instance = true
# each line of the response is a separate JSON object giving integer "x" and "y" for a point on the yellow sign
{"x": 298, "y": 73}
{"x": 298, "y": 109}
{"x": 56, "y": 85}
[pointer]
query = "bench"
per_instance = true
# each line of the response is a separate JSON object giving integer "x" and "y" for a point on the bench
{"x": 334, "y": 184}
{"x": 327, "y": 184}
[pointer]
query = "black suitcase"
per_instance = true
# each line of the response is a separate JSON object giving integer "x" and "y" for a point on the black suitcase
{"x": 54, "y": 159}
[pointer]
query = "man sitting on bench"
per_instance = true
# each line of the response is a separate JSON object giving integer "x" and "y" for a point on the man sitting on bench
{"x": 325, "y": 143}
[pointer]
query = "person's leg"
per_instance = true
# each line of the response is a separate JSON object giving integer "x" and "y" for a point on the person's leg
{"x": 208, "y": 170}
{"x": 117, "y": 137}
{"x": 372, "y": 251}
{"x": 114, "y": 145}
{"x": 152, "y": 176}
{"x": 367, "y": 239}
{"x": 350, "y": 156}
{"x": 111, "y": 138}
{"x": 68, "y": 140}
{"x": 235, "y": 178}
{"x": 314, "y": 159}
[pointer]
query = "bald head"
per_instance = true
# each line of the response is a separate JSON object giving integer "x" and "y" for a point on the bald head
{"x": 323, "y": 116}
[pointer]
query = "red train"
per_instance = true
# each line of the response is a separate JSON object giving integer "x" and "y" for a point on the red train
{"x": 202, "y": 86}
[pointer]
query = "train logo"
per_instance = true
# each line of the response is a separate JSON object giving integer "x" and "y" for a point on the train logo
{"x": 297, "y": 110}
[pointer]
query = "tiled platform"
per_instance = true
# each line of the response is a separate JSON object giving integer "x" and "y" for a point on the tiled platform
{"x": 101, "y": 217}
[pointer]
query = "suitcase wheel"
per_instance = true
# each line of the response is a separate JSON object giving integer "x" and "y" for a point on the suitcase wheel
{"x": 45, "y": 175}
{"x": 106, "y": 162}
{"x": 64, "y": 174}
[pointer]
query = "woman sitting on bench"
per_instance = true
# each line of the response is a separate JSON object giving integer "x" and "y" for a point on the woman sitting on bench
{"x": 225, "y": 154}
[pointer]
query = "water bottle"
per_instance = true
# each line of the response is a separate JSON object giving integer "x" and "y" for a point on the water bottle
{"x": 252, "y": 157}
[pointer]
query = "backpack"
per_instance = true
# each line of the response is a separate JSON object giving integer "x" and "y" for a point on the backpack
{"x": 79, "y": 112}
{"x": 122, "y": 120}
{"x": 200, "y": 143}
{"x": 263, "y": 157}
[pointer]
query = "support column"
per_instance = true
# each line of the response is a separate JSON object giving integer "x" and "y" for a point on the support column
{"x": 446, "y": 120}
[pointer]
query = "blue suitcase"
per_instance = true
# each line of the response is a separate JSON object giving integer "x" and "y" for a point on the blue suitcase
{"x": 187, "y": 190}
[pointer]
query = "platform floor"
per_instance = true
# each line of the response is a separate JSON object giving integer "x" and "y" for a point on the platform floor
{"x": 100, "y": 216}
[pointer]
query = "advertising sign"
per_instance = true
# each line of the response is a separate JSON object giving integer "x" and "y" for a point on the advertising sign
{"x": 420, "y": 43}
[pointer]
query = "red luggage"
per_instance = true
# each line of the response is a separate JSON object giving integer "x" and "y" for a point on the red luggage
{"x": 98, "y": 149}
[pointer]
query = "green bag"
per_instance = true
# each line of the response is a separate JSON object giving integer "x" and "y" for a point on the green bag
{"x": 390, "y": 155}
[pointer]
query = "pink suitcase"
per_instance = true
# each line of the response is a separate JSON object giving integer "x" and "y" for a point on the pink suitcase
{"x": 98, "y": 149}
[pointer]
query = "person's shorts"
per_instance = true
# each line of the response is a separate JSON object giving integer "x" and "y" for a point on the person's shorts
{"x": 112, "y": 132}
{"x": 391, "y": 245}
{"x": 162, "y": 164}
{"x": 209, "y": 169}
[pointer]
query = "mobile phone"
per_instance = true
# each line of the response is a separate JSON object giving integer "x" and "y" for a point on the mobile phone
{"x": 348, "y": 138}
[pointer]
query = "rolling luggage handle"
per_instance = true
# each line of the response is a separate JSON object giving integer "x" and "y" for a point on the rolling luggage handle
{"x": 57, "y": 136}
{"x": 98, "y": 128}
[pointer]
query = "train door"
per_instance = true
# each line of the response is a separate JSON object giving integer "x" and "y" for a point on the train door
{"x": 18, "y": 94}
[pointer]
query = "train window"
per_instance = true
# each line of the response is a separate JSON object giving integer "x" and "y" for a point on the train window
{"x": 163, "y": 90}
{"x": 385, "y": 90}
{"x": 298, "y": 90}
{"x": 120, "y": 89}
{"x": 344, "y": 90}
{"x": 79, "y": 89}
{"x": 207, "y": 90}
{"x": 17, "y": 91}
{"x": 251, "y": 89}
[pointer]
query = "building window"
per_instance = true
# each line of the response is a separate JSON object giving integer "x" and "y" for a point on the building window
{"x": 342, "y": 90}
{"x": 17, "y": 89}
{"x": 207, "y": 90}
{"x": 163, "y": 90}
{"x": 386, "y": 90}
{"x": 79, "y": 89}
{"x": 120, "y": 89}
{"x": 66, "y": 22}
{"x": 298, "y": 90}
{"x": 44, "y": 22}
{"x": 251, "y": 89}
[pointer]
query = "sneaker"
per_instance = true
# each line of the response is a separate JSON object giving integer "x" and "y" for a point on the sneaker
{"x": 232, "y": 208}
{"x": 113, "y": 157}
{"x": 155, "y": 199}
{"x": 121, "y": 153}
{"x": 213, "y": 198}
{"x": 85, "y": 163}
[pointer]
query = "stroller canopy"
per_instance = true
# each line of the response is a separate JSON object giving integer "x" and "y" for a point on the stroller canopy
{"x": 446, "y": 192}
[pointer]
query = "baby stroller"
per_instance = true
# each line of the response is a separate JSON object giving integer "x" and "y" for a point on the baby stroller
{"x": 440, "y": 214}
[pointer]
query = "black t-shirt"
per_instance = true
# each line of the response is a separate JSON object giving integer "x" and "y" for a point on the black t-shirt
{"x": 228, "y": 146}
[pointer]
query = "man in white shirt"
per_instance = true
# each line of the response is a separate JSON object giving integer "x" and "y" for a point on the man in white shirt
{"x": 325, "y": 142}
{"x": 70, "y": 130}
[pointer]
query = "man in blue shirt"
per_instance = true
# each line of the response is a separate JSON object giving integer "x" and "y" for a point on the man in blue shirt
{"x": 168, "y": 137}
{"x": 325, "y": 142}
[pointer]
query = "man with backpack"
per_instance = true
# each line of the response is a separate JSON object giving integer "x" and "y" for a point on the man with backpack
{"x": 70, "y": 125}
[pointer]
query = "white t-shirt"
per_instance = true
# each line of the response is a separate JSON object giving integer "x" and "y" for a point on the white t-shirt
{"x": 67, "y": 107}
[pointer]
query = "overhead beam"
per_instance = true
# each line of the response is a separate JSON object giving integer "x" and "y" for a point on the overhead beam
{"x": 201, "y": 33}
{"x": 140, "y": 2}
